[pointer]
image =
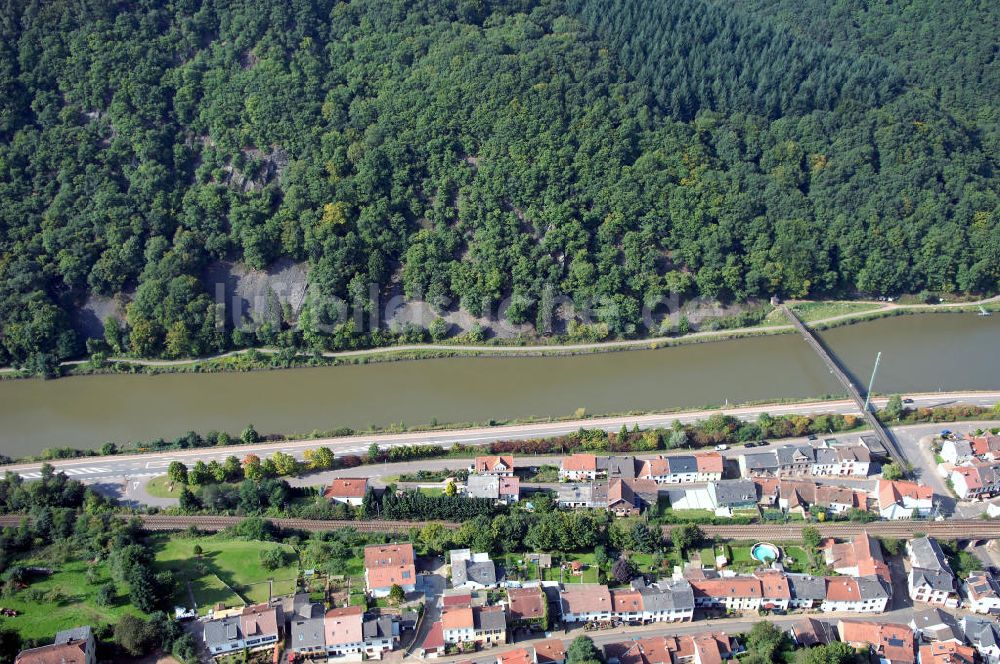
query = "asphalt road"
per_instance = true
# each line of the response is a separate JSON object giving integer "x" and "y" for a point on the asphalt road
{"x": 123, "y": 468}
{"x": 133, "y": 491}
{"x": 730, "y": 626}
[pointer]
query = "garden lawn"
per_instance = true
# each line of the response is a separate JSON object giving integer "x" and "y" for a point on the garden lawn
{"x": 810, "y": 311}
{"x": 224, "y": 562}
{"x": 75, "y": 605}
{"x": 162, "y": 487}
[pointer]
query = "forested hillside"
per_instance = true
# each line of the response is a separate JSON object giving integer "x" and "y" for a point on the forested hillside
{"x": 464, "y": 151}
{"x": 949, "y": 49}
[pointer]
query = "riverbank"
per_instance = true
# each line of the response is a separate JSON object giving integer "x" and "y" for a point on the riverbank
{"x": 151, "y": 462}
{"x": 923, "y": 354}
{"x": 813, "y": 313}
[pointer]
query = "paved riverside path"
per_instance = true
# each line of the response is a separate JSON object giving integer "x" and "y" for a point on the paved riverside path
{"x": 866, "y": 409}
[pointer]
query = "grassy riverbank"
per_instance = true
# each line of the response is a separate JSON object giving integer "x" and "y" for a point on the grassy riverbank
{"x": 817, "y": 314}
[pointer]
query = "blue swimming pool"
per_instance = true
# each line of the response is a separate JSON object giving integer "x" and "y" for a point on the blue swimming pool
{"x": 764, "y": 552}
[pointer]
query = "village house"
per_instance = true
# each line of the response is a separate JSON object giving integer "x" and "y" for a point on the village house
{"x": 946, "y": 652}
{"x": 730, "y": 495}
{"x": 863, "y": 594}
{"x": 527, "y": 606}
{"x": 71, "y": 646}
{"x": 622, "y": 467}
{"x": 631, "y": 497}
{"x": 810, "y": 632}
{"x": 936, "y": 625}
{"x": 257, "y": 626}
{"x": 459, "y": 624}
{"x": 524, "y": 655}
{"x": 983, "y": 635}
{"x": 735, "y": 593}
{"x": 343, "y": 629}
{"x": 306, "y": 629}
{"x": 493, "y": 465}
{"x": 808, "y": 592}
{"x": 983, "y": 593}
{"x": 498, "y": 488}
{"x": 904, "y": 500}
{"x": 705, "y": 648}
{"x": 490, "y": 625}
{"x": 387, "y": 565}
{"x": 977, "y": 479}
{"x": 930, "y": 579}
{"x": 803, "y": 497}
{"x": 890, "y": 643}
{"x": 585, "y": 603}
{"x": 666, "y": 600}
{"x": 961, "y": 450}
{"x": 588, "y": 496}
{"x": 474, "y": 571}
{"x": 578, "y": 468}
{"x": 862, "y": 556}
{"x": 434, "y": 644}
{"x": 380, "y": 634}
{"x": 550, "y": 651}
{"x": 347, "y": 490}
{"x": 842, "y": 461}
{"x": 776, "y": 591}
{"x": 485, "y": 625}
{"x": 683, "y": 468}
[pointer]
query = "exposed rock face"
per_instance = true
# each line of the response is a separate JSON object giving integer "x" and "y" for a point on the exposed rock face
{"x": 90, "y": 318}
{"x": 253, "y": 295}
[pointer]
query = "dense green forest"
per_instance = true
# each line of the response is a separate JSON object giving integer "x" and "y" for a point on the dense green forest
{"x": 469, "y": 151}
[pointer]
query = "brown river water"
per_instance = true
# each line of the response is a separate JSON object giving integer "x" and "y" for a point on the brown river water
{"x": 926, "y": 352}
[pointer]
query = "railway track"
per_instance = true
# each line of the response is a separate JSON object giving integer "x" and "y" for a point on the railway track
{"x": 964, "y": 529}
{"x": 161, "y": 522}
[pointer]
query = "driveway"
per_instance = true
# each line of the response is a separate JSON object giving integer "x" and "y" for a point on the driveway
{"x": 434, "y": 583}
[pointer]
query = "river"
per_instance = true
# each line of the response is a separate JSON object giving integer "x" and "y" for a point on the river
{"x": 924, "y": 352}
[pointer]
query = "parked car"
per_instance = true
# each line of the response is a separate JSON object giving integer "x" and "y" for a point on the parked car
{"x": 907, "y": 400}
{"x": 720, "y": 448}
{"x": 811, "y": 436}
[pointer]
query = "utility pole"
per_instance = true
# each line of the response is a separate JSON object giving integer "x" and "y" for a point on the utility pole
{"x": 871, "y": 382}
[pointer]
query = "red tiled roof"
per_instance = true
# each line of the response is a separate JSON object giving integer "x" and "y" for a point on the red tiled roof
{"x": 774, "y": 585}
{"x": 460, "y": 599}
{"x": 388, "y": 564}
{"x": 889, "y": 640}
{"x": 947, "y": 652}
{"x": 435, "y": 637}
{"x": 625, "y": 601}
{"x": 709, "y": 462}
{"x": 518, "y": 656}
{"x": 654, "y": 467}
{"x": 487, "y": 464}
{"x": 347, "y": 487}
{"x": 510, "y": 486}
{"x": 590, "y": 600}
{"x": 72, "y": 652}
{"x": 891, "y": 492}
{"x": 549, "y": 651}
{"x": 259, "y": 619}
{"x": 728, "y": 587}
{"x": 457, "y": 617}
{"x": 971, "y": 476}
{"x": 343, "y": 625}
{"x": 526, "y": 603}
{"x": 580, "y": 462}
{"x": 712, "y": 648}
{"x": 842, "y": 589}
